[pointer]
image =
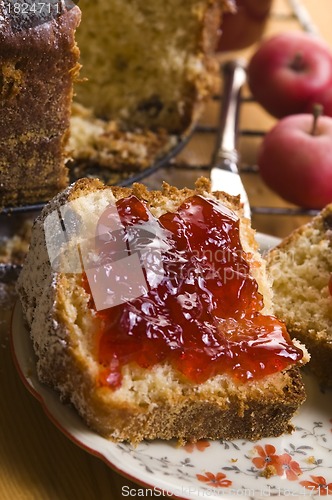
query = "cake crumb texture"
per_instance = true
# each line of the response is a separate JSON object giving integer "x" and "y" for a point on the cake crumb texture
{"x": 300, "y": 269}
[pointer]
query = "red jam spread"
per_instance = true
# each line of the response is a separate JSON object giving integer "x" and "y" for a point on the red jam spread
{"x": 203, "y": 314}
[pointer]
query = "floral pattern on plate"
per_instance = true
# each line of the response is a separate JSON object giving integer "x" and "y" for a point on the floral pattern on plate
{"x": 297, "y": 464}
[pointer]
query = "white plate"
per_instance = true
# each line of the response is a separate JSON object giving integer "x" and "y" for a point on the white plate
{"x": 302, "y": 460}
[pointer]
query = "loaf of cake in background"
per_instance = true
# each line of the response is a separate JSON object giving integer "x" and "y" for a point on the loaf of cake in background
{"x": 148, "y": 69}
{"x": 147, "y": 62}
{"x": 301, "y": 272}
{"x": 182, "y": 346}
{"x": 38, "y": 65}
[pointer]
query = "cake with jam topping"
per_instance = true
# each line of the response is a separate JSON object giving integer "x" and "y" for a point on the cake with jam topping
{"x": 301, "y": 272}
{"x": 153, "y": 315}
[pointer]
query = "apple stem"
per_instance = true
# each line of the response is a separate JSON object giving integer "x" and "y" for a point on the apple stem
{"x": 317, "y": 111}
{"x": 297, "y": 64}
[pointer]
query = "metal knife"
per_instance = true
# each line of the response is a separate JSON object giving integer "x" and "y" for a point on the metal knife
{"x": 224, "y": 171}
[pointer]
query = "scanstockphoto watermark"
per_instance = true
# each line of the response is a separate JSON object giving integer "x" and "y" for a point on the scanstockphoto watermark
{"x": 121, "y": 262}
{"x": 194, "y": 493}
{"x": 131, "y": 492}
{"x": 27, "y": 14}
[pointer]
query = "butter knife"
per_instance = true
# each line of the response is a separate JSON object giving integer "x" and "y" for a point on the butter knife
{"x": 224, "y": 171}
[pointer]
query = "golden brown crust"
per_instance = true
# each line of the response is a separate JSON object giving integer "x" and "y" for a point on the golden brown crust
{"x": 190, "y": 418}
{"x": 202, "y": 186}
{"x": 37, "y": 69}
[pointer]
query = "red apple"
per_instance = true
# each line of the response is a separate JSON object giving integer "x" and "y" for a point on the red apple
{"x": 325, "y": 99}
{"x": 295, "y": 160}
{"x": 289, "y": 70}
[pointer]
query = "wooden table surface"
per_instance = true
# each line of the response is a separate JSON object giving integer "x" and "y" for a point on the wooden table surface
{"x": 37, "y": 462}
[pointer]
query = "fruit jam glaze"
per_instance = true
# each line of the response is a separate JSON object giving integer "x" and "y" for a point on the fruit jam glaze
{"x": 202, "y": 315}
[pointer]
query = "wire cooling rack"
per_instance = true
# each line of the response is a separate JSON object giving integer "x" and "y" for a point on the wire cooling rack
{"x": 173, "y": 169}
{"x": 183, "y": 170}
{"x": 123, "y": 179}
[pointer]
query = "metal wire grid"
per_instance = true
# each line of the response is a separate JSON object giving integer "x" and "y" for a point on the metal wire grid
{"x": 180, "y": 171}
{"x": 246, "y": 168}
{"x": 301, "y": 15}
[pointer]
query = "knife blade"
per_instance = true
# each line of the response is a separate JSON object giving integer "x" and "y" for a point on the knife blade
{"x": 224, "y": 172}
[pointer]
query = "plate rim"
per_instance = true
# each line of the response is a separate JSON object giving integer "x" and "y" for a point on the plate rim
{"x": 265, "y": 241}
{"x": 39, "y": 396}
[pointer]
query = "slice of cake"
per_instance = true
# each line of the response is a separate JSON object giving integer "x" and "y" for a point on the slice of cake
{"x": 38, "y": 65}
{"x": 151, "y": 313}
{"x": 301, "y": 270}
{"x": 147, "y": 63}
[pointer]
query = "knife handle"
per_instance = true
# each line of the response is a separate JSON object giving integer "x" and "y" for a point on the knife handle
{"x": 226, "y": 155}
